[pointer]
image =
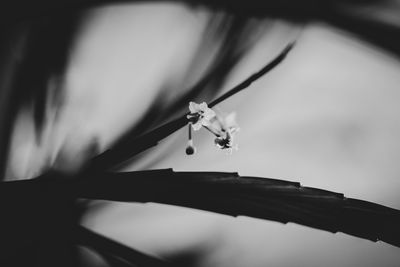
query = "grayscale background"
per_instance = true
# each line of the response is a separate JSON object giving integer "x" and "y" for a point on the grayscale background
{"x": 328, "y": 117}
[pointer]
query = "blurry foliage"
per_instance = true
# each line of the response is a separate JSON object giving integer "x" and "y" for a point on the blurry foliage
{"x": 35, "y": 37}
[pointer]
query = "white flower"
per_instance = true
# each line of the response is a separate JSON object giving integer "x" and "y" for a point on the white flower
{"x": 200, "y": 115}
{"x": 230, "y": 123}
{"x": 223, "y": 127}
{"x": 227, "y": 131}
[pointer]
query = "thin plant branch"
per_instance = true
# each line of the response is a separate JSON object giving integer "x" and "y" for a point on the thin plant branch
{"x": 119, "y": 154}
{"x": 254, "y": 77}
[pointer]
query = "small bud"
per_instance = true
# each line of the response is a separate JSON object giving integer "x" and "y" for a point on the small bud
{"x": 190, "y": 150}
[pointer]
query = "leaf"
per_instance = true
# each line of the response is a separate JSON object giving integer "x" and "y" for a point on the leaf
{"x": 265, "y": 198}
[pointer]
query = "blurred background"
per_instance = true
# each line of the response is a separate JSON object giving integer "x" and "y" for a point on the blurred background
{"x": 327, "y": 117}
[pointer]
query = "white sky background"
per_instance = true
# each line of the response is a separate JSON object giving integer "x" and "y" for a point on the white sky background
{"x": 328, "y": 117}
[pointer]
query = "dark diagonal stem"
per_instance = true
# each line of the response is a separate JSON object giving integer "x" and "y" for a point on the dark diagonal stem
{"x": 122, "y": 152}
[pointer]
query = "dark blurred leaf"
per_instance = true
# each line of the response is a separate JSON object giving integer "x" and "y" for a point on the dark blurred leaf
{"x": 31, "y": 53}
{"x": 353, "y": 15}
{"x": 12, "y": 43}
{"x": 264, "y": 198}
{"x": 47, "y": 51}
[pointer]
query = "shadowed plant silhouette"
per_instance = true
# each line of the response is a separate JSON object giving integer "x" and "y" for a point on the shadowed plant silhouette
{"x": 40, "y": 200}
{"x": 50, "y": 202}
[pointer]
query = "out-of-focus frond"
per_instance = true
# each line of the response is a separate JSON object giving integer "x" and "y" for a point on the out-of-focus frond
{"x": 12, "y": 43}
{"x": 224, "y": 193}
{"x": 231, "y": 194}
{"x": 33, "y": 53}
{"x": 354, "y": 16}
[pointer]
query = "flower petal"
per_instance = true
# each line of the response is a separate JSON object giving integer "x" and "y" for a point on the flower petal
{"x": 197, "y": 126}
{"x": 193, "y": 107}
{"x": 209, "y": 114}
{"x": 203, "y": 106}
